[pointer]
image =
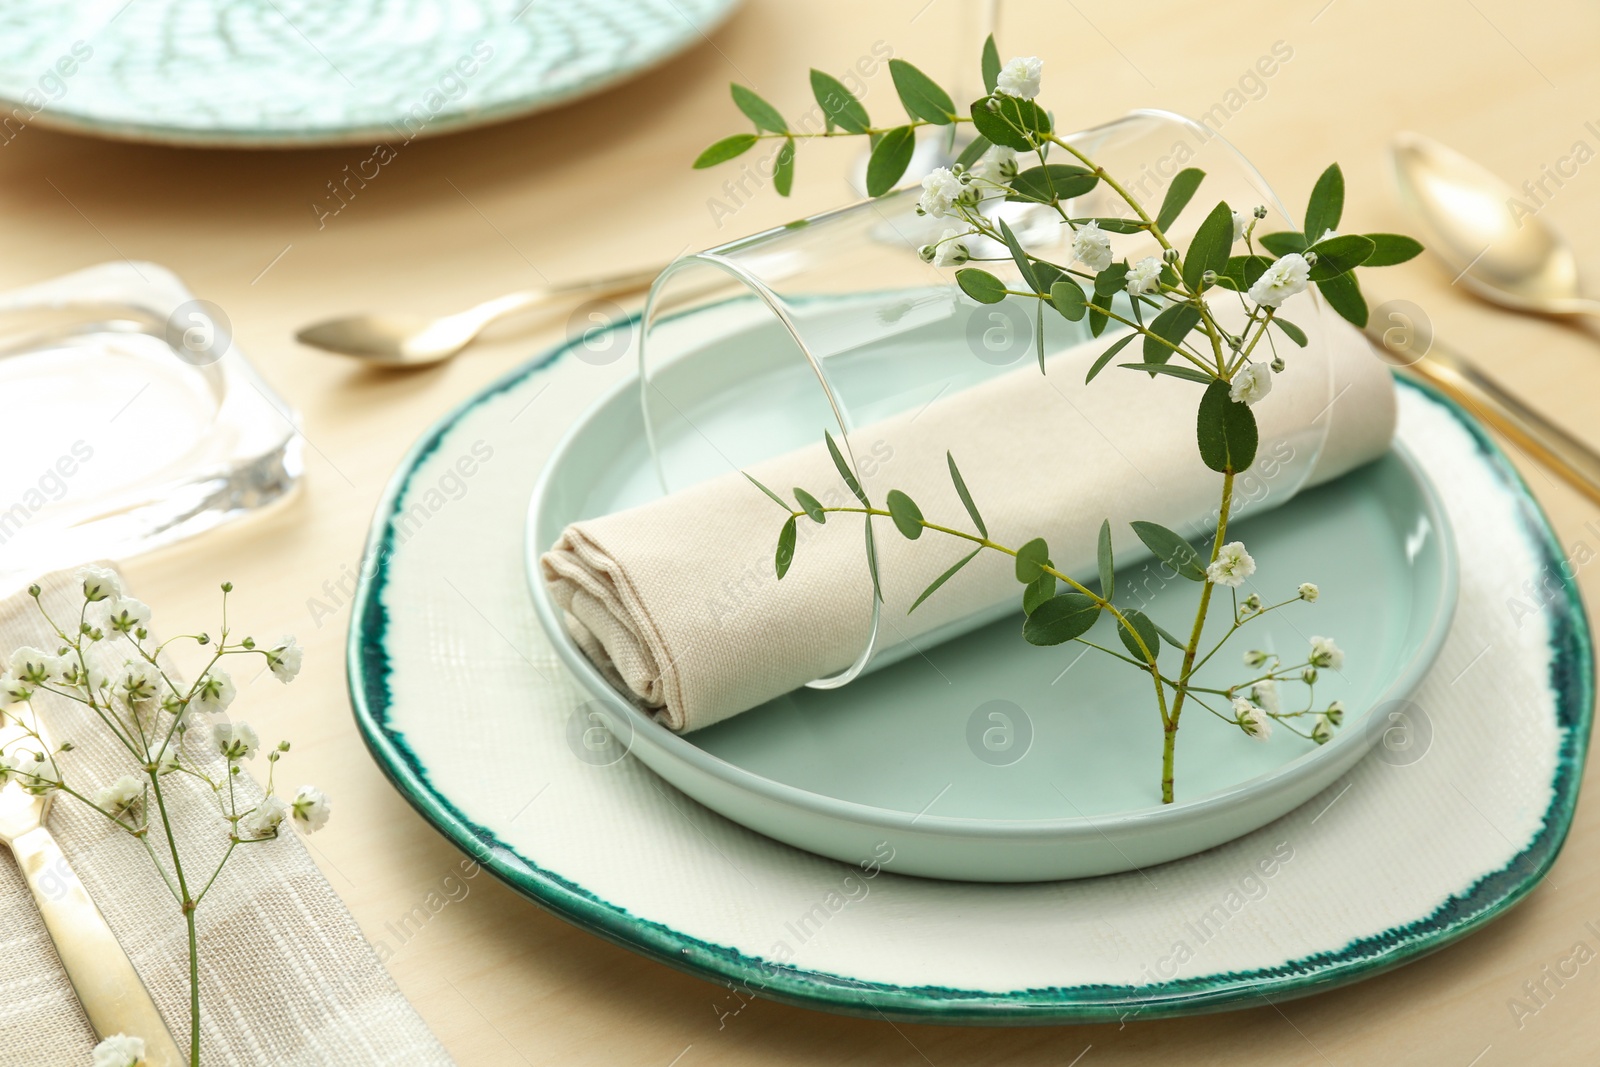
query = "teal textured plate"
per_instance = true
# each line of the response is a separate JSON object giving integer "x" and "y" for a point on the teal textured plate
{"x": 287, "y": 73}
{"x": 464, "y": 704}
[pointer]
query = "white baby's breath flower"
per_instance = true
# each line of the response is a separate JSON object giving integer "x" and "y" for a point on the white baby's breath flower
{"x": 941, "y": 191}
{"x": 1144, "y": 276}
{"x": 1092, "y": 247}
{"x": 997, "y": 165}
{"x": 947, "y": 251}
{"x": 267, "y": 816}
{"x": 1325, "y": 653}
{"x": 1020, "y": 77}
{"x": 1255, "y": 658}
{"x": 1309, "y": 592}
{"x": 235, "y": 740}
{"x": 1250, "y": 383}
{"x": 1232, "y": 565}
{"x": 33, "y": 665}
{"x": 284, "y": 658}
{"x": 1322, "y": 730}
{"x": 1282, "y": 279}
{"x": 120, "y": 795}
{"x": 311, "y": 809}
{"x": 14, "y": 689}
{"x": 214, "y": 692}
{"x": 39, "y": 774}
{"x": 138, "y": 681}
{"x": 120, "y": 1050}
{"x": 1239, "y": 224}
{"x": 1265, "y": 695}
{"x": 162, "y": 755}
{"x": 99, "y": 583}
{"x": 1335, "y": 713}
{"x": 1251, "y": 719}
{"x": 125, "y": 614}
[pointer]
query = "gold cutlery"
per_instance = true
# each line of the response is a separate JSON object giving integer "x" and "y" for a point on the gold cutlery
{"x": 113, "y": 997}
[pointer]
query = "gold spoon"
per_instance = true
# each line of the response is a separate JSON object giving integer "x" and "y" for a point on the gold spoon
{"x": 413, "y": 341}
{"x": 1488, "y": 233}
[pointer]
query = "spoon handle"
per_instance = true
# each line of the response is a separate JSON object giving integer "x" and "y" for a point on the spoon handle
{"x": 1453, "y": 374}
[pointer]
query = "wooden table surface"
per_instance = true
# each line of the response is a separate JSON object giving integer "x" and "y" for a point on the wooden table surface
{"x": 606, "y": 184}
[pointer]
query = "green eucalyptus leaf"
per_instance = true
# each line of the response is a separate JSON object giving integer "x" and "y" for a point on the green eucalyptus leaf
{"x": 785, "y": 555}
{"x": 1281, "y": 244}
{"x": 1295, "y": 333}
{"x": 1032, "y": 558}
{"x": 982, "y": 286}
{"x": 1343, "y": 294}
{"x": 1179, "y": 193}
{"x": 725, "y": 149}
{"x": 844, "y": 470}
{"x": 1111, "y": 281}
{"x": 1327, "y": 203}
{"x": 1108, "y": 572}
{"x": 872, "y": 560}
{"x": 1051, "y": 183}
{"x": 1173, "y": 325}
{"x": 1037, "y": 592}
{"x": 783, "y": 168}
{"x": 839, "y": 104}
{"x": 1209, "y": 248}
{"x": 1245, "y": 271}
{"x": 921, "y": 95}
{"x": 774, "y": 497}
{"x": 1060, "y": 619}
{"x": 945, "y": 577}
{"x": 1097, "y": 321}
{"x": 1014, "y": 122}
{"x": 1018, "y": 256}
{"x": 1339, "y": 255}
{"x": 1107, "y": 356}
{"x": 810, "y": 505}
{"x": 1172, "y": 370}
{"x": 991, "y": 64}
{"x": 973, "y": 152}
{"x": 906, "y": 515}
{"x": 1067, "y": 297}
{"x": 1116, "y": 225}
{"x": 1171, "y": 549}
{"x": 1165, "y": 636}
{"x": 966, "y": 497}
{"x": 757, "y": 110}
{"x": 1226, "y": 430}
{"x": 1391, "y": 248}
{"x": 889, "y": 160}
{"x": 1147, "y": 633}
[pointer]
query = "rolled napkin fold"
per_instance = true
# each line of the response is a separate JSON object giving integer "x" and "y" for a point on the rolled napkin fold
{"x": 677, "y": 601}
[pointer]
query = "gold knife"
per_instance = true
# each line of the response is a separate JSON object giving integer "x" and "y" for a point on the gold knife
{"x": 113, "y": 997}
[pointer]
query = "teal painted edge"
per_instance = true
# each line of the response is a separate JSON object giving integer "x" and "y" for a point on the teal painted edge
{"x": 1571, "y": 681}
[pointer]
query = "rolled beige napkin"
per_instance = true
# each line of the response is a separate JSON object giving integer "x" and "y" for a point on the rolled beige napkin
{"x": 677, "y": 601}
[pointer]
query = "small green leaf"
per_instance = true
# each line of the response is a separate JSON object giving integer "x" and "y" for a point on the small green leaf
{"x": 906, "y": 515}
{"x": 757, "y": 110}
{"x": 810, "y": 505}
{"x": 889, "y": 160}
{"x": 783, "y": 168}
{"x": 1171, "y": 549}
{"x": 1295, "y": 333}
{"x": 1339, "y": 255}
{"x": 1108, "y": 572}
{"x": 1032, "y": 558}
{"x": 1051, "y": 183}
{"x": 844, "y": 470}
{"x": 1147, "y": 633}
{"x": 1182, "y": 189}
{"x": 1014, "y": 122}
{"x": 1281, "y": 244}
{"x": 1018, "y": 256}
{"x": 1327, "y": 203}
{"x": 1209, "y": 248}
{"x": 1037, "y": 592}
{"x": 1107, "y": 356}
{"x": 1343, "y": 294}
{"x": 1188, "y": 374}
{"x": 1116, "y": 225}
{"x": 1165, "y": 636}
{"x": 839, "y": 104}
{"x": 872, "y": 561}
{"x": 966, "y": 497}
{"x": 1060, "y": 619}
{"x": 922, "y": 97}
{"x": 982, "y": 286}
{"x": 991, "y": 65}
{"x": 1391, "y": 248}
{"x": 945, "y": 577}
{"x": 1226, "y": 430}
{"x": 725, "y": 149}
{"x": 1172, "y": 325}
{"x": 785, "y": 547}
{"x": 1110, "y": 282}
{"x": 973, "y": 152}
{"x": 774, "y": 497}
{"x": 1067, "y": 297}
{"x": 1097, "y": 321}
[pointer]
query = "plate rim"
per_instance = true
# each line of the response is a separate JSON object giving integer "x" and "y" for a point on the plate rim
{"x": 1492, "y": 895}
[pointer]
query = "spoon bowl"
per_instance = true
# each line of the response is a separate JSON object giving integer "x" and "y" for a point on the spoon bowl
{"x": 1487, "y": 233}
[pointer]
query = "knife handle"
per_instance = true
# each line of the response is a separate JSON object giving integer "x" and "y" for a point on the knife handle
{"x": 113, "y": 997}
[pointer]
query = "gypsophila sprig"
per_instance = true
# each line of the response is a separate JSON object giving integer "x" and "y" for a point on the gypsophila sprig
{"x": 1163, "y": 297}
{"x": 160, "y": 726}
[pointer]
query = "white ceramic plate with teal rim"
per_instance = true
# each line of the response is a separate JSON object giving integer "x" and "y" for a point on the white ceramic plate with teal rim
{"x": 466, "y": 706}
{"x": 983, "y": 757}
{"x": 287, "y": 73}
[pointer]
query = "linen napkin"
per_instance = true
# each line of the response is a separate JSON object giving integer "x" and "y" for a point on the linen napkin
{"x": 677, "y": 599}
{"x": 286, "y": 976}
